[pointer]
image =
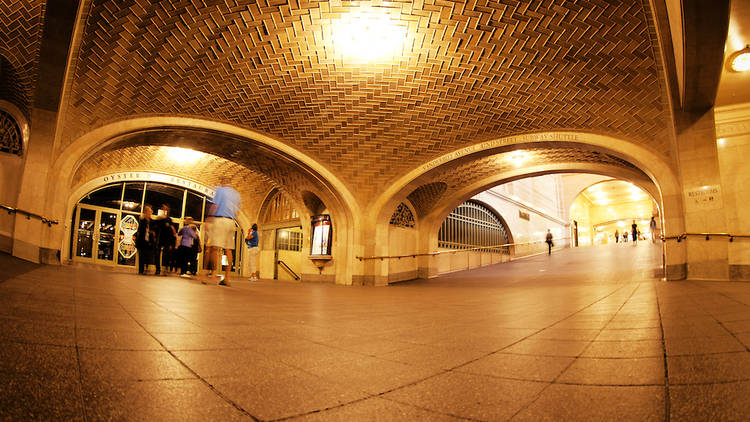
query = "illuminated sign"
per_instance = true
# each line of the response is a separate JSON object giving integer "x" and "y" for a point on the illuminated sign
{"x": 322, "y": 234}
{"x": 128, "y": 227}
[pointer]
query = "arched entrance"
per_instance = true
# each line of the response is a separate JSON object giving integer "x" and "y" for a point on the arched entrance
{"x": 105, "y": 219}
{"x": 281, "y": 238}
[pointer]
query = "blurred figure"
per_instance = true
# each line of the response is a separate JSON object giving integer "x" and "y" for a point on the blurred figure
{"x": 549, "y": 242}
{"x": 144, "y": 240}
{"x": 165, "y": 240}
{"x": 220, "y": 231}
{"x": 654, "y": 229}
{"x": 617, "y": 236}
{"x": 186, "y": 239}
{"x": 634, "y": 232}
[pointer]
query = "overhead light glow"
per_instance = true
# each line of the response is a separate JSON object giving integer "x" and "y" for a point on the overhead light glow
{"x": 183, "y": 155}
{"x": 518, "y": 158}
{"x": 740, "y": 60}
{"x": 367, "y": 35}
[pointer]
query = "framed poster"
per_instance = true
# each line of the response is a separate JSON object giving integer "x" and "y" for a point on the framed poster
{"x": 322, "y": 234}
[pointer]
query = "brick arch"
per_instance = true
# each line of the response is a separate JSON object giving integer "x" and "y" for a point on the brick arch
{"x": 280, "y": 164}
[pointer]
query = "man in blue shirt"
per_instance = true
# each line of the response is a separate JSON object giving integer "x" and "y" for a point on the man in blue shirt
{"x": 220, "y": 230}
{"x": 252, "y": 247}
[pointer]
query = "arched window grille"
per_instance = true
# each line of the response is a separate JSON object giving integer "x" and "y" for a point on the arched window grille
{"x": 403, "y": 217}
{"x": 472, "y": 225}
{"x": 10, "y": 135}
{"x": 280, "y": 209}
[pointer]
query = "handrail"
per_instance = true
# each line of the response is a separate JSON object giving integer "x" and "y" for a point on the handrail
{"x": 286, "y": 267}
{"x": 28, "y": 215}
{"x": 453, "y": 251}
{"x": 683, "y": 236}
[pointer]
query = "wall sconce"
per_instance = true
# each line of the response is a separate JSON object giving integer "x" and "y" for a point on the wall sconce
{"x": 739, "y": 61}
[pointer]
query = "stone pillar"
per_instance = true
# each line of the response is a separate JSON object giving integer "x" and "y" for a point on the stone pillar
{"x": 704, "y": 209}
{"x": 33, "y": 240}
{"x": 733, "y": 144}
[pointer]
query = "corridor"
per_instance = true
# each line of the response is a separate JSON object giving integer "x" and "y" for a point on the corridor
{"x": 584, "y": 334}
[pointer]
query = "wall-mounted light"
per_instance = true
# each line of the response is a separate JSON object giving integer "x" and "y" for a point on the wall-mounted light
{"x": 518, "y": 158}
{"x": 739, "y": 61}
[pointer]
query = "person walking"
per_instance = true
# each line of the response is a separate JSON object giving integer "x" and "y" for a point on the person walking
{"x": 220, "y": 230}
{"x": 144, "y": 240}
{"x": 165, "y": 240}
{"x": 634, "y": 232}
{"x": 193, "y": 258}
{"x": 186, "y": 238}
{"x": 549, "y": 242}
{"x": 654, "y": 229}
{"x": 252, "y": 247}
{"x": 617, "y": 236}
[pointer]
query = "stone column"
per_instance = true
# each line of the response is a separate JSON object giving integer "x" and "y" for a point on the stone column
{"x": 733, "y": 144}
{"x": 33, "y": 240}
{"x": 704, "y": 209}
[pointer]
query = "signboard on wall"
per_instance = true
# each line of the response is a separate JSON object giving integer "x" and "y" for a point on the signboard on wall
{"x": 524, "y": 215}
{"x": 322, "y": 234}
{"x": 128, "y": 227}
{"x": 704, "y": 197}
{"x": 147, "y": 176}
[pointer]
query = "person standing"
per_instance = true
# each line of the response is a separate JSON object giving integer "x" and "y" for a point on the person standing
{"x": 144, "y": 240}
{"x": 193, "y": 259}
{"x": 252, "y": 247}
{"x": 220, "y": 230}
{"x": 654, "y": 229}
{"x": 617, "y": 236}
{"x": 634, "y": 232}
{"x": 549, "y": 242}
{"x": 186, "y": 238}
{"x": 165, "y": 235}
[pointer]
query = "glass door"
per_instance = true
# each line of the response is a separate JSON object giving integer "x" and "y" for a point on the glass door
{"x": 105, "y": 237}
{"x": 85, "y": 228}
{"x": 95, "y": 235}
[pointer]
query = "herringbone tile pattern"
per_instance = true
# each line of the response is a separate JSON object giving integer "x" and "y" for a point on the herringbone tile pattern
{"x": 471, "y": 71}
{"x": 21, "y": 24}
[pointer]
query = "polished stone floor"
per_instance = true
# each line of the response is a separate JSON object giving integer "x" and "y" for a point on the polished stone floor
{"x": 585, "y": 334}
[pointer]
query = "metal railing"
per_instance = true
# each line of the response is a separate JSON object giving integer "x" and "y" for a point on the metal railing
{"x": 505, "y": 247}
{"x": 29, "y": 215}
{"x": 707, "y": 236}
{"x": 289, "y": 270}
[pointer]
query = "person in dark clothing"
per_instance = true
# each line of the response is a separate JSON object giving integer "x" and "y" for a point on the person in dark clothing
{"x": 617, "y": 236}
{"x": 166, "y": 237}
{"x": 186, "y": 238}
{"x": 634, "y": 232}
{"x": 549, "y": 242}
{"x": 144, "y": 240}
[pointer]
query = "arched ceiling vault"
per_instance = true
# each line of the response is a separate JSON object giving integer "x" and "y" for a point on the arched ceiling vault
{"x": 448, "y": 180}
{"x": 251, "y": 167}
{"x": 210, "y": 170}
{"x": 470, "y": 72}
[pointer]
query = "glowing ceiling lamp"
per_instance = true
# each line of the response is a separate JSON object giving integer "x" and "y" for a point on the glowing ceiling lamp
{"x": 518, "y": 158}
{"x": 367, "y": 35}
{"x": 739, "y": 61}
{"x": 183, "y": 155}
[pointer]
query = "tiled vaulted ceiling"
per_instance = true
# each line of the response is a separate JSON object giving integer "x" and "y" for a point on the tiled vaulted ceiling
{"x": 473, "y": 71}
{"x": 20, "y": 36}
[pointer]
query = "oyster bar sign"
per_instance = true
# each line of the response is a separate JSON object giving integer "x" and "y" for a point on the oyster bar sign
{"x": 144, "y": 176}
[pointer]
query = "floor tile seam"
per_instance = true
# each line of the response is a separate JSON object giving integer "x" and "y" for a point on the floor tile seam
{"x": 581, "y": 356}
{"x": 538, "y": 331}
{"x": 700, "y": 305}
{"x": 78, "y": 360}
{"x": 426, "y": 409}
{"x": 169, "y": 311}
{"x": 195, "y": 374}
{"x": 725, "y": 382}
{"x": 32, "y": 343}
{"x": 665, "y": 358}
{"x": 572, "y": 362}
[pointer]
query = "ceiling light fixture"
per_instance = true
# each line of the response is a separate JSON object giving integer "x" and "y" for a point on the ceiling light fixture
{"x": 739, "y": 61}
{"x": 183, "y": 155}
{"x": 518, "y": 158}
{"x": 367, "y": 35}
